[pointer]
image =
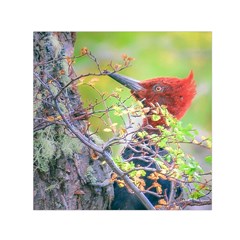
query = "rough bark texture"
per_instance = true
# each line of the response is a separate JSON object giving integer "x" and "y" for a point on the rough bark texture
{"x": 65, "y": 175}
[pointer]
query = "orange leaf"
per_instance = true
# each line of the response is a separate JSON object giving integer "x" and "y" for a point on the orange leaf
{"x": 114, "y": 176}
{"x": 62, "y": 72}
{"x": 117, "y": 66}
{"x": 156, "y": 184}
{"x": 158, "y": 206}
{"x": 79, "y": 192}
{"x": 152, "y": 176}
{"x": 84, "y": 51}
{"x": 93, "y": 155}
{"x": 124, "y": 56}
{"x": 50, "y": 118}
{"x": 162, "y": 202}
{"x": 69, "y": 60}
{"x": 130, "y": 59}
{"x": 162, "y": 176}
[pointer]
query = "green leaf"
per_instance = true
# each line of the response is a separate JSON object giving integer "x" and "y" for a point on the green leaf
{"x": 196, "y": 195}
{"x": 196, "y": 132}
{"x": 132, "y": 174}
{"x": 163, "y": 143}
{"x": 143, "y": 173}
{"x": 154, "y": 137}
{"x": 208, "y": 159}
{"x": 142, "y": 134}
{"x": 180, "y": 137}
{"x": 155, "y": 117}
{"x": 189, "y": 127}
{"x": 168, "y": 158}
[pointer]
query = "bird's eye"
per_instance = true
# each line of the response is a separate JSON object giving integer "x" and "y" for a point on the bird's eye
{"x": 157, "y": 88}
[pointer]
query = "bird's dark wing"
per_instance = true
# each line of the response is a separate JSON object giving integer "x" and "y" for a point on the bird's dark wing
{"x": 125, "y": 200}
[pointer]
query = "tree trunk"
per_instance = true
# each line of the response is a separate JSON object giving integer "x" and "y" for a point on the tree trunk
{"x": 65, "y": 175}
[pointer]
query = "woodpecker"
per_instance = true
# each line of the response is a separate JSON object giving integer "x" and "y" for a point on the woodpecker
{"x": 176, "y": 94}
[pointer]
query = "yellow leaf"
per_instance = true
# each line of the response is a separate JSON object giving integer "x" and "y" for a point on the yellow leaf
{"x": 122, "y": 131}
{"x": 195, "y": 141}
{"x": 209, "y": 144}
{"x": 159, "y": 189}
{"x": 168, "y": 149}
{"x": 203, "y": 138}
{"x": 120, "y": 183}
{"x": 190, "y": 178}
{"x": 107, "y": 130}
{"x": 114, "y": 94}
{"x": 116, "y": 108}
{"x": 58, "y": 118}
{"x": 118, "y": 89}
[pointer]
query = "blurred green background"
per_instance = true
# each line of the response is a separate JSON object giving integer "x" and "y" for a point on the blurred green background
{"x": 156, "y": 54}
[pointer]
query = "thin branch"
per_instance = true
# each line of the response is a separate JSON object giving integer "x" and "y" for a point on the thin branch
{"x": 141, "y": 168}
{"x": 107, "y": 157}
{"x": 192, "y": 202}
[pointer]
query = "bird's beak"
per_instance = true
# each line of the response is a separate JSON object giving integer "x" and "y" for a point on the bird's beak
{"x": 127, "y": 82}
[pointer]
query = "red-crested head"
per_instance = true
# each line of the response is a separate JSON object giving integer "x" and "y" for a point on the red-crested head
{"x": 175, "y": 93}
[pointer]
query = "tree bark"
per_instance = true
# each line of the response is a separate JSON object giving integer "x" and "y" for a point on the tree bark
{"x": 65, "y": 175}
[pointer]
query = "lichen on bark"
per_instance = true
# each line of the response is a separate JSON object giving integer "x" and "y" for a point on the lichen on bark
{"x": 61, "y": 180}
